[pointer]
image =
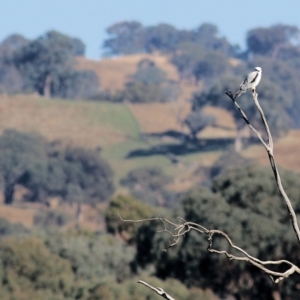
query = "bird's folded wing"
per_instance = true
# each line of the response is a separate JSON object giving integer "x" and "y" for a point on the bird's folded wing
{"x": 252, "y": 77}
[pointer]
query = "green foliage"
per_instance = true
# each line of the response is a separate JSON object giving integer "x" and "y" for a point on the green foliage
{"x": 246, "y": 204}
{"x": 20, "y": 155}
{"x": 50, "y": 219}
{"x": 187, "y": 56}
{"x": 77, "y": 175}
{"x": 75, "y": 84}
{"x": 129, "y": 290}
{"x": 141, "y": 93}
{"x": 198, "y": 121}
{"x": 132, "y": 37}
{"x": 211, "y": 66}
{"x": 267, "y": 41}
{"x": 149, "y": 84}
{"x": 11, "y": 81}
{"x": 148, "y": 185}
{"x": 29, "y": 268}
{"x": 8, "y": 229}
{"x": 162, "y": 37}
{"x": 125, "y": 38}
{"x": 207, "y": 34}
{"x": 92, "y": 257}
{"x": 128, "y": 208}
{"x": 227, "y": 162}
{"x": 47, "y": 65}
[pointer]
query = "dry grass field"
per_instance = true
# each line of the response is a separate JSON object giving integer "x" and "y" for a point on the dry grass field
{"x": 114, "y": 72}
{"x": 80, "y": 123}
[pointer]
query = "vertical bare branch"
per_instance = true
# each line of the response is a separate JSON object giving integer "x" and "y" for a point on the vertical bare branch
{"x": 269, "y": 146}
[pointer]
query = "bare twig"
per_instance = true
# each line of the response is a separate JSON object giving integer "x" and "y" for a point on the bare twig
{"x": 269, "y": 146}
{"x": 180, "y": 229}
{"x": 158, "y": 290}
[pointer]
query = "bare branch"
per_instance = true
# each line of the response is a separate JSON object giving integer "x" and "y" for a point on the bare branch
{"x": 158, "y": 290}
{"x": 179, "y": 230}
{"x": 270, "y": 150}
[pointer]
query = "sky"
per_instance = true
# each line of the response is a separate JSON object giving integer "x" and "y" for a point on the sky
{"x": 88, "y": 19}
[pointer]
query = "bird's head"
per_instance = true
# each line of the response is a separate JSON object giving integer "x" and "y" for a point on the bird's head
{"x": 258, "y": 69}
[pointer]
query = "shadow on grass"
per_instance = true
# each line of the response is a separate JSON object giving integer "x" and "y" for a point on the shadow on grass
{"x": 186, "y": 147}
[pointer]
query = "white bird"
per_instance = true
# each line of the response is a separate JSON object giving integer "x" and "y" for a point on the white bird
{"x": 250, "y": 82}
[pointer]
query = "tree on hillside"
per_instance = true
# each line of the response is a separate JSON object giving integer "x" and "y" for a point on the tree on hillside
{"x": 148, "y": 184}
{"x": 149, "y": 84}
{"x": 131, "y": 208}
{"x": 207, "y": 34}
{"x": 11, "y": 80}
{"x": 125, "y": 38}
{"x": 211, "y": 66}
{"x": 162, "y": 37}
{"x": 43, "y": 59}
{"x": 20, "y": 154}
{"x": 47, "y": 65}
{"x": 186, "y": 57}
{"x": 197, "y": 121}
{"x": 131, "y": 37}
{"x": 268, "y": 41}
{"x": 77, "y": 175}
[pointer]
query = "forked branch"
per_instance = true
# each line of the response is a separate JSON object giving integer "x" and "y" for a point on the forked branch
{"x": 178, "y": 230}
{"x": 269, "y": 146}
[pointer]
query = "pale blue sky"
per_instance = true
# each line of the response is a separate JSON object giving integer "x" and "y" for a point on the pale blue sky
{"x": 88, "y": 19}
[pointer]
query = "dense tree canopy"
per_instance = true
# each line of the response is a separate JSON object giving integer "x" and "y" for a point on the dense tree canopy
{"x": 76, "y": 175}
{"x": 132, "y": 37}
{"x": 246, "y": 204}
{"x": 149, "y": 84}
{"x": 20, "y": 155}
{"x": 45, "y": 65}
{"x": 128, "y": 208}
{"x": 268, "y": 41}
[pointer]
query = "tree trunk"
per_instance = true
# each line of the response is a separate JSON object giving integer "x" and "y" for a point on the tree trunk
{"x": 9, "y": 193}
{"x": 47, "y": 87}
{"x": 78, "y": 215}
{"x": 238, "y": 143}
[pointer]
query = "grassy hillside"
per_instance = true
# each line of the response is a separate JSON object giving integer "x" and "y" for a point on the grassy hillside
{"x": 124, "y": 132}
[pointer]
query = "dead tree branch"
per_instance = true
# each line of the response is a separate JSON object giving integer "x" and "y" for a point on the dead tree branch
{"x": 269, "y": 146}
{"x": 183, "y": 227}
{"x": 158, "y": 290}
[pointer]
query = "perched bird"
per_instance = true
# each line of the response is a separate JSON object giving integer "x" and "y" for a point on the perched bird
{"x": 250, "y": 82}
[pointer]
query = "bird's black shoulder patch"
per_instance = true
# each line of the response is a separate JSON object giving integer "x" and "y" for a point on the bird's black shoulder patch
{"x": 254, "y": 78}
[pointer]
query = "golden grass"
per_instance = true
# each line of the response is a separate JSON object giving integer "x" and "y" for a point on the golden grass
{"x": 286, "y": 152}
{"x": 17, "y": 214}
{"x": 81, "y": 123}
{"x": 114, "y": 72}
